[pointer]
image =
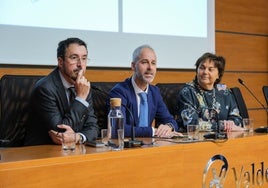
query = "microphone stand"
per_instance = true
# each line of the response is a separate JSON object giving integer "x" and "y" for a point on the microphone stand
{"x": 242, "y": 83}
{"x": 260, "y": 129}
{"x": 129, "y": 143}
{"x": 132, "y": 143}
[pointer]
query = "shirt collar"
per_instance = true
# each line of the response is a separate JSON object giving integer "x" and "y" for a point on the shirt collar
{"x": 64, "y": 82}
{"x": 136, "y": 88}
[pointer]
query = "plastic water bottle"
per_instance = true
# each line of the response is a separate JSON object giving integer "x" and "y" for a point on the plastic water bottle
{"x": 115, "y": 125}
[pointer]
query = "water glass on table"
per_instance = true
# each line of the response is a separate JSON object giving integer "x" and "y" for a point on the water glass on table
{"x": 248, "y": 124}
{"x": 68, "y": 141}
{"x": 193, "y": 132}
{"x": 104, "y": 136}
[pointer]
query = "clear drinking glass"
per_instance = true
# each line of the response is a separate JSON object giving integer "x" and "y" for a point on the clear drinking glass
{"x": 248, "y": 124}
{"x": 193, "y": 132}
{"x": 68, "y": 141}
{"x": 104, "y": 136}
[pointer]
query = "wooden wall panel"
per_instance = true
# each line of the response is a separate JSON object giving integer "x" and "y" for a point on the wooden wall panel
{"x": 24, "y": 70}
{"x": 242, "y": 38}
{"x": 259, "y": 117}
{"x": 253, "y": 81}
{"x": 246, "y": 16}
{"x": 243, "y": 52}
{"x": 108, "y": 75}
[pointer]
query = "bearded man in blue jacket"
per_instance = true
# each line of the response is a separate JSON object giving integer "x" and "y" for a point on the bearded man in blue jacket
{"x": 144, "y": 65}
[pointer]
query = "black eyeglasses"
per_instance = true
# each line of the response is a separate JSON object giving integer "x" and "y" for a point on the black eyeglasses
{"x": 74, "y": 59}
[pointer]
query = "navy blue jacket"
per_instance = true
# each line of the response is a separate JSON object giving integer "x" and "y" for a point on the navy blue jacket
{"x": 157, "y": 108}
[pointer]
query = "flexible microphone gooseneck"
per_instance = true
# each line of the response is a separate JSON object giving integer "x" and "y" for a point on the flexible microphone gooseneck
{"x": 131, "y": 143}
{"x": 260, "y": 129}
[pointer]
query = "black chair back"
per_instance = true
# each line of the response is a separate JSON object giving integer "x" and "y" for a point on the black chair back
{"x": 265, "y": 92}
{"x": 15, "y": 94}
{"x": 169, "y": 92}
{"x": 100, "y": 97}
{"x": 240, "y": 102}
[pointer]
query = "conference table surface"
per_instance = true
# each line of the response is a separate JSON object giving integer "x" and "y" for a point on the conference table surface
{"x": 158, "y": 163}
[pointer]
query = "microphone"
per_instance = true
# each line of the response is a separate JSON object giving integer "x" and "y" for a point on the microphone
{"x": 260, "y": 129}
{"x": 130, "y": 143}
{"x": 243, "y": 83}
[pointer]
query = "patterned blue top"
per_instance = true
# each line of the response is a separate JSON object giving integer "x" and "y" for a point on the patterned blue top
{"x": 195, "y": 104}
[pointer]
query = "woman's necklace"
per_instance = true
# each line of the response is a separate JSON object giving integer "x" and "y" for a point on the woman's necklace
{"x": 213, "y": 104}
{"x": 213, "y": 115}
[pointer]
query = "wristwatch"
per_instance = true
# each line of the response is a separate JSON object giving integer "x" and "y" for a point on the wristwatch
{"x": 80, "y": 141}
{"x": 171, "y": 126}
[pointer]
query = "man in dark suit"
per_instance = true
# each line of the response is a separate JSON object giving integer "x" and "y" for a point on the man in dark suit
{"x": 57, "y": 110}
{"x": 143, "y": 64}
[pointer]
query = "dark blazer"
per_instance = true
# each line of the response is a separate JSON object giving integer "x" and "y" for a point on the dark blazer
{"x": 49, "y": 107}
{"x": 157, "y": 108}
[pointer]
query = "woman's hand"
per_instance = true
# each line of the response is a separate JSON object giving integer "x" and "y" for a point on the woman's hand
{"x": 230, "y": 126}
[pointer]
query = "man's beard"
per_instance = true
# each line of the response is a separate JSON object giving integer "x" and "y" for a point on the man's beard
{"x": 75, "y": 74}
{"x": 147, "y": 80}
{"x": 143, "y": 77}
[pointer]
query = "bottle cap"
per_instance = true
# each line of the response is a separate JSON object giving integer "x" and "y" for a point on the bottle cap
{"x": 115, "y": 102}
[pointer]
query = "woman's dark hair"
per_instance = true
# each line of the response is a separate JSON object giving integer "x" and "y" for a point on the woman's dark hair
{"x": 219, "y": 63}
{"x": 63, "y": 45}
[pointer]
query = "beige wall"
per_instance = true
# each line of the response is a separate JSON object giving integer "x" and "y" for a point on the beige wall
{"x": 241, "y": 37}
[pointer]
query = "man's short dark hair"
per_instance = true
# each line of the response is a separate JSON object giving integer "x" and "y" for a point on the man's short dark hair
{"x": 63, "y": 45}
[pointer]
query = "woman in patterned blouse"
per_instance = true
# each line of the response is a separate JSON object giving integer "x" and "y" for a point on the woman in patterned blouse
{"x": 205, "y": 99}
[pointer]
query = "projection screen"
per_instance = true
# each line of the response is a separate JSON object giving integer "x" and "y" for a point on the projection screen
{"x": 179, "y": 30}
